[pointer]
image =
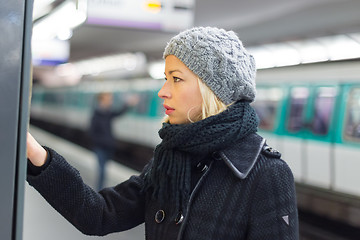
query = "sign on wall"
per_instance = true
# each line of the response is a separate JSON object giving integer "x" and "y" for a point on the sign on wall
{"x": 169, "y": 15}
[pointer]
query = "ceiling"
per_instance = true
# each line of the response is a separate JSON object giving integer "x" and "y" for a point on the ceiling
{"x": 255, "y": 21}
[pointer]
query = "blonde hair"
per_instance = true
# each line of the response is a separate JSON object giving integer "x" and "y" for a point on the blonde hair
{"x": 211, "y": 104}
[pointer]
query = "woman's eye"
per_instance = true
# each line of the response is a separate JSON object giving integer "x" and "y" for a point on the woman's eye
{"x": 176, "y": 79}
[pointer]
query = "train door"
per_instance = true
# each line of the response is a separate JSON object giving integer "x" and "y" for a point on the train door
{"x": 309, "y": 131}
{"x": 294, "y": 130}
{"x": 347, "y": 147}
{"x": 15, "y": 25}
{"x": 268, "y": 105}
{"x": 320, "y": 130}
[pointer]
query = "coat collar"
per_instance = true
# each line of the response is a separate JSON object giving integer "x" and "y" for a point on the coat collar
{"x": 241, "y": 157}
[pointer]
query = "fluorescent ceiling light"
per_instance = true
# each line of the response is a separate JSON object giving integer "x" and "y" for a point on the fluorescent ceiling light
{"x": 355, "y": 36}
{"x": 67, "y": 16}
{"x": 156, "y": 69}
{"x": 275, "y": 55}
{"x": 331, "y": 48}
{"x": 64, "y": 34}
{"x": 41, "y": 7}
{"x": 125, "y": 61}
{"x": 341, "y": 47}
{"x": 311, "y": 51}
{"x": 284, "y": 54}
{"x": 263, "y": 57}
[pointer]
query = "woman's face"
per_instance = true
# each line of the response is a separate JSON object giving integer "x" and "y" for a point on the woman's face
{"x": 180, "y": 92}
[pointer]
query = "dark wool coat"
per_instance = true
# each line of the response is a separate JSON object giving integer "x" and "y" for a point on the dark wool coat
{"x": 243, "y": 192}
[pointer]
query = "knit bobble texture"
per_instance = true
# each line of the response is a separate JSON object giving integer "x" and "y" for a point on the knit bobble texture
{"x": 219, "y": 58}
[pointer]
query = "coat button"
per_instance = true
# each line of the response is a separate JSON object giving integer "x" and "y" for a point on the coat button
{"x": 159, "y": 216}
{"x": 179, "y": 218}
{"x": 201, "y": 167}
{"x": 216, "y": 156}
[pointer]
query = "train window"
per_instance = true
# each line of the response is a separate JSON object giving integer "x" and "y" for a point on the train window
{"x": 36, "y": 96}
{"x": 352, "y": 117}
{"x": 142, "y": 108}
{"x": 298, "y": 100}
{"x": 54, "y": 98}
{"x": 323, "y": 109}
{"x": 119, "y": 99}
{"x": 266, "y": 106}
{"x": 72, "y": 99}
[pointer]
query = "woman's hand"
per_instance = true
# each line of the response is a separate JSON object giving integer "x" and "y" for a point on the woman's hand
{"x": 35, "y": 152}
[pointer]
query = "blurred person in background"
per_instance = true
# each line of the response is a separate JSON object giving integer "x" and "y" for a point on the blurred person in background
{"x": 211, "y": 177}
{"x": 101, "y": 130}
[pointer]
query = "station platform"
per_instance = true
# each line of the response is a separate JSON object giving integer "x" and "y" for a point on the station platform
{"x": 42, "y": 222}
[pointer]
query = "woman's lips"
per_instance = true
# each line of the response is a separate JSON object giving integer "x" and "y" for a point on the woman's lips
{"x": 169, "y": 110}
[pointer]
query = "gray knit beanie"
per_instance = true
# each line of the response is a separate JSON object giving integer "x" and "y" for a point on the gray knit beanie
{"x": 219, "y": 58}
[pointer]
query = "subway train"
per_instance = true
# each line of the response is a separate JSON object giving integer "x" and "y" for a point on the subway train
{"x": 72, "y": 107}
{"x": 310, "y": 113}
{"x": 66, "y": 111}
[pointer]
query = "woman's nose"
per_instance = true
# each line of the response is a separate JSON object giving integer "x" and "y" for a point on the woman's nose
{"x": 164, "y": 91}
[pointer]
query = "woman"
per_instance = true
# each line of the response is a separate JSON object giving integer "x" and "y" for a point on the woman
{"x": 212, "y": 176}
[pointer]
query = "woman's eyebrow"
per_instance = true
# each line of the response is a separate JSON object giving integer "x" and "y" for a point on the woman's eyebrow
{"x": 172, "y": 71}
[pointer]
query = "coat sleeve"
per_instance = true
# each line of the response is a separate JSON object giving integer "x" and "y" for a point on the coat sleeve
{"x": 120, "y": 111}
{"x": 273, "y": 212}
{"x": 94, "y": 213}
